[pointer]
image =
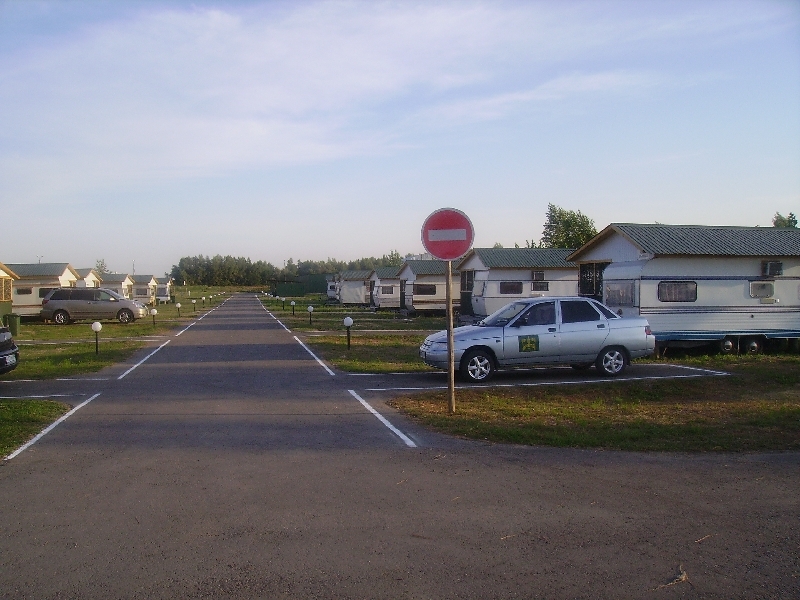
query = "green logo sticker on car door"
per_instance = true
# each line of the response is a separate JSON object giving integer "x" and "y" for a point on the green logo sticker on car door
{"x": 529, "y": 343}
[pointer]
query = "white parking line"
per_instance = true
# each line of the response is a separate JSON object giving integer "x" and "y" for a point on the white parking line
{"x": 49, "y": 428}
{"x": 408, "y": 441}
{"x": 39, "y": 396}
{"x": 276, "y": 318}
{"x": 324, "y": 366}
{"x": 541, "y": 383}
{"x": 144, "y": 359}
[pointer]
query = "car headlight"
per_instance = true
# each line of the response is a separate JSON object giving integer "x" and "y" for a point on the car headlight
{"x": 438, "y": 347}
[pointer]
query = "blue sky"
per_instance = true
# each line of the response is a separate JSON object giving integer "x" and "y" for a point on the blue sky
{"x": 148, "y": 131}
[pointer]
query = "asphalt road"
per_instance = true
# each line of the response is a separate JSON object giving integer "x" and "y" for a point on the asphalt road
{"x": 232, "y": 464}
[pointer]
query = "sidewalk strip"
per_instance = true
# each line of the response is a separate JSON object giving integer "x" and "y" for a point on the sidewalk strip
{"x": 408, "y": 441}
{"x": 50, "y": 428}
{"x": 324, "y": 366}
{"x": 144, "y": 359}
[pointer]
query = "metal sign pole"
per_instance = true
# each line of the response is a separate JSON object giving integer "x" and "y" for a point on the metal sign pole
{"x": 451, "y": 370}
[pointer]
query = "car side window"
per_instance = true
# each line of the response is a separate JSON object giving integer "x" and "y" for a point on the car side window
{"x": 543, "y": 313}
{"x": 106, "y": 297}
{"x": 61, "y": 294}
{"x": 82, "y": 295}
{"x": 578, "y": 311}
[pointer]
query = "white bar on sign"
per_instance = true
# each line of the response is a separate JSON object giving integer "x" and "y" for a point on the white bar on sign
{"x": 447, "y": 235}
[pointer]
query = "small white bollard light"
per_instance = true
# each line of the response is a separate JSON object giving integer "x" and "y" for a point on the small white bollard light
{"x": 292, "y": 303}
{"x": 204, "y": 301}
{"x": 153, "y": 313}
{"x": 96, "y": 327}
{"x": 194, "y": 305}
{"x": 310, "y": 310}
{"x": 178, "y": 306}
{"x": 284, "y": 303}
{"x": 348, "y": 323}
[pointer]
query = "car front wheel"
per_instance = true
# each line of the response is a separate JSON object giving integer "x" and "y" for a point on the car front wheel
{"x": 60, "y": 317}
{"x": 611, "y": 361}
{"x": 477, "y": 366}
{"x": 125, "y": 316}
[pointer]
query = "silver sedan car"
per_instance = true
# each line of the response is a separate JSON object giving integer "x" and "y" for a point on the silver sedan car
{"x": 544, "y": 331}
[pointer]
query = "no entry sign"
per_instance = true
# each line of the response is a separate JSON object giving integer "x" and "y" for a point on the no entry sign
{"x": 447, "y": 234}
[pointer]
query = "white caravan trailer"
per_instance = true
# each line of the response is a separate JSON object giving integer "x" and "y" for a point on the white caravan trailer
{"x": 354, "y": 287}
{"x": 735, "y": 286}
{"x": 384, "y": 287}
{"x": 423, "y": 286}
{"x": 35, "y": 281}
{"x": 493, "y": 277}
{"x": 332, "y": 288}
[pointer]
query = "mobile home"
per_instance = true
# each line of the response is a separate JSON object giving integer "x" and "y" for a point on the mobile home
{"x": 163, "y": 289}
{"x": 735, "y": 286}
{"x": 354, "y": 287}
{"x": 492, "y": 277}
{"x": 7, "y": 277}
{"x": 423, "y": 286}
{"x": 144, "y": 288}
{"x": 88, "y": 278}
{"x": 35, "y": 281}
{"x": 384, "y": 287}
{"x": 119, "y": 282}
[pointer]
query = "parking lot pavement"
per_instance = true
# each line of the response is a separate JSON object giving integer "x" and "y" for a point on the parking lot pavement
{"x": 436, "y": 380}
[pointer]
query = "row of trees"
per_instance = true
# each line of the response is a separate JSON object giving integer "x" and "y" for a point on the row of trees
{"x": 231, "y": 270}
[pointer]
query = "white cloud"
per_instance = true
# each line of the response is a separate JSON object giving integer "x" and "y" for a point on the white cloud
{"x": 181, "y": 93}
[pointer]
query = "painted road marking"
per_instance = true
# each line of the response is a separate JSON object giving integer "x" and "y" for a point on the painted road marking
{"x": 144, "y": 359}
{"x": 408, "y": 441}
{"x": 50, "y": 428}
{"x": 324, "y": 366}
{"x": 540, "y": 383}
{"x": 38, "y": 396}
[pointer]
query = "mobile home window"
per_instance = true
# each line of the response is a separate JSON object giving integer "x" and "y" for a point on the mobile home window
{"x": 24, "y": 291}
{"x": 388, "y": 290}
{"x": 762, "y": 289}
{"x": 142, "y": 291}
{"x": 424, "y": 289}
{"x": 621, "y": 293}
{"x": 677, "y": 291}
{"x": 540, "y": 286}
{"x": 511, "y": 287}
{"x": 538, "y": 275}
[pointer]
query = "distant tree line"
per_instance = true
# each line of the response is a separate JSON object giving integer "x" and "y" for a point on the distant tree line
{"x": 230, "y": 270}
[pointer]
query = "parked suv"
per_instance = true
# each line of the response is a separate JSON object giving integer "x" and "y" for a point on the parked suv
{"x": 63, "y": 305}
{"x": 9, "y": 353}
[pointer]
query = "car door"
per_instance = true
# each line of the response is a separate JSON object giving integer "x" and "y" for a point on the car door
{"x": 532, "y": 338}
{"x": 583, "y": 330}
{"x": 106, "y": 305}
{"x": 81, "y": 303}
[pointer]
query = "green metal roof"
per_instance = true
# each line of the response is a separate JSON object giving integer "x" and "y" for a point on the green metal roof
{"x": 387, "y": 272}
{"x": 142, "y": 278}
{"x": 428, "y": 267}
{"x": 84, "y": 273}
{"x": 355, "y": 275}
{"x": 705, "y": 240}
{"x": 41, "y": 269}
{"x": 114, "y": 277}
{"x": 524, "y": 258}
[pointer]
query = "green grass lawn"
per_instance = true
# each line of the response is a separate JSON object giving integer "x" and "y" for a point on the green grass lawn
{"x": 21, "y": 419}
{"x": 48, "y": 361}
{"x": 757, "y": 407}
{"x": 375, "y": 353}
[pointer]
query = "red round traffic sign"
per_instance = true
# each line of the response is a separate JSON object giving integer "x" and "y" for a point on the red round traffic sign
{"x": 447, "y": 234}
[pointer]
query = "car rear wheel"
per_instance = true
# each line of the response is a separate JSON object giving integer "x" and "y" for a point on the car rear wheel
{"x": 611, "y": 361}
{"x": 125, "y": 316}
{"x": 477, "y": 366}
{"x": 60, "y": 317}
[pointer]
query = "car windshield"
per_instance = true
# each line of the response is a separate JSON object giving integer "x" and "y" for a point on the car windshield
{"x": 504, "y": 315}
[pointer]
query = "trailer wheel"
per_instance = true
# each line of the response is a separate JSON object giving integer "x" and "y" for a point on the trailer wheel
{"x": 754, "y": 345}
{"x": 727, "y": 345}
